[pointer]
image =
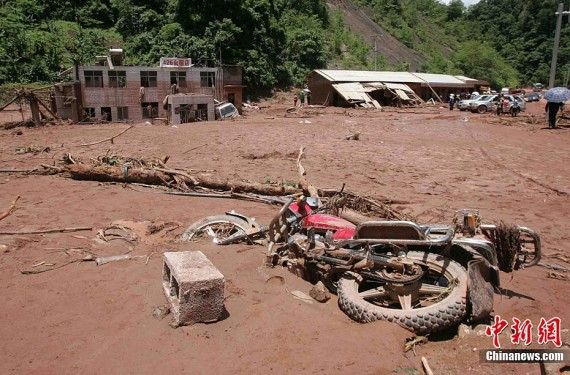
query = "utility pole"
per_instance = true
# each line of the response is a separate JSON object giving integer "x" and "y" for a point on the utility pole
{"x": 375, "y": 53}
{"x": 559, "y": 15}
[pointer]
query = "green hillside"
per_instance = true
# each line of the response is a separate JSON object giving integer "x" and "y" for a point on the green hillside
{"x": 279, "y": 41}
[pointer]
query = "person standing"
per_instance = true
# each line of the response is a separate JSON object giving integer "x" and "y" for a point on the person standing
{"x": 499, "y": 105}
{"x": 295, "y": 100}
{"x": 552, "y": 109}
{"x": 515, "y": 108}
{"x": 302, "y": 98}
{"x": 451, "y": 102}
{"x": 308, "y": 98}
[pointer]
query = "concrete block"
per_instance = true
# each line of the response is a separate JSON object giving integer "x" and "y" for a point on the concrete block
{"x": 193, "y": 287}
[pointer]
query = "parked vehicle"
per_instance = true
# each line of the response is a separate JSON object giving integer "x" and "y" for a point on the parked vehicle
{"x": 538, "y": 87}
{"x": 483, "y": 104}
{"x": 534, "y": 97}
{"x": 506, "y": 91}
{"x": 425, "y": 278}
{"x": 489, "y": 103}
{"x": 464, "y": 104}
{"x": 226, "y": 110}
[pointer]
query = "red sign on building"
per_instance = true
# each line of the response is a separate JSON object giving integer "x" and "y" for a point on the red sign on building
{"x": 175, "y": 62}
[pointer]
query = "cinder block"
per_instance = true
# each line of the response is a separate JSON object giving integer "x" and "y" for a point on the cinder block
{"x": 193, "y": 287}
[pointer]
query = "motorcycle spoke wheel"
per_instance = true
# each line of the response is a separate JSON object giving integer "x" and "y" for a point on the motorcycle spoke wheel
{"x": 435, "y": 302}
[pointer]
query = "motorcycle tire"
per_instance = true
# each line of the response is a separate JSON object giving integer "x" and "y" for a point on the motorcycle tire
{"x": 446, "y": 313}
{"x": 198, "y": 227}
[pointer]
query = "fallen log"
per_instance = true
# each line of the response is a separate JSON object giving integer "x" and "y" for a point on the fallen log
{"x": 155, "y": 177}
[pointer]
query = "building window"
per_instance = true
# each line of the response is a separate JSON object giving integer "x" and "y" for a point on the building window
{"x": 106, "y": 114}
{"x": 179, "y": 78}
{"x": 117, "y": 79}
{"x": 122, "y": 113}
{"x": 148, "y": 79}
{"x": 89, "y": 112}
{"x": 93, "y": 78}
{"x": 149, "y": 110}
{"x": 207, "y": 79}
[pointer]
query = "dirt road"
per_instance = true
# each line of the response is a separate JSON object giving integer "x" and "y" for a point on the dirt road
{"x": 88, "y": 319}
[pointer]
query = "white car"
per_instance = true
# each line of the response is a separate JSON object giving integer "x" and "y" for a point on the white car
{"x": 464, "y": 104}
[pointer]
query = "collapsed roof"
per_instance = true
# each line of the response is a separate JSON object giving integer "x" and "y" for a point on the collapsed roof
{"x": 424, "y": 79}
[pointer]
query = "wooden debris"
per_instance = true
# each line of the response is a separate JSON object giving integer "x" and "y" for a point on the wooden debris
{"x": 46, "y": 231}
{"x": 194, "y": 148}
{"x": 411, "y": 343}
{"x": 558, "y": 276}
{"x": 426, "y": 366}
{"x": 353, "y": 137}
{"x": 302, "y": 296}
{"x": 308, "y": 189}
{"x": 108, "y": 139}
{"x": 33, "y": 272}
{"x": 555, "y": 267}
{"x": 560, "y": 256}
{"x": 11, "y": 209}
{"x": 167, "y": 226}
{"x": 155, "y": 177}
{"x": 115, "y": 258}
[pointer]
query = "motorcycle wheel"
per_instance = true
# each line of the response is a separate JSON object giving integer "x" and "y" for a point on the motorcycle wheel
{"x": 216, "y": 227}
{"x": 435, "y": 308}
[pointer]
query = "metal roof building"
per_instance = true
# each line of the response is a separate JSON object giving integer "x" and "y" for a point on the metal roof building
{"x": 369, "y": 88}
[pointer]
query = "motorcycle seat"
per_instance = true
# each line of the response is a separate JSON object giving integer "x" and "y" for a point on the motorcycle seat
{"x": 390, "y": 230}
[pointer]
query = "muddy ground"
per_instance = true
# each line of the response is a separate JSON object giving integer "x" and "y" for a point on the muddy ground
{"x": 84, "y": 318}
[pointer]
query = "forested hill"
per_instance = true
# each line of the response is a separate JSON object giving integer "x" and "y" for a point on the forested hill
{"x": 279, "y": 41}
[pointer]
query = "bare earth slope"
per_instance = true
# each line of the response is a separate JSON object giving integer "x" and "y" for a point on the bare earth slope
{"x": 360, "y": 23}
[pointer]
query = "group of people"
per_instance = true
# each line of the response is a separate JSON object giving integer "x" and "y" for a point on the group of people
{"x": 503, "y": 106}
{"x": 454, "y": 100}
{"x": 301, "y": 97}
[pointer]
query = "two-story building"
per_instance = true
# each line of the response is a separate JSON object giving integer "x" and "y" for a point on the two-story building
{"x": 110, "y": 91}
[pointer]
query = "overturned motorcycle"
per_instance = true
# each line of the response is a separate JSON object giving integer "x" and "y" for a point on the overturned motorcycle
{"x": 425, "y": 278}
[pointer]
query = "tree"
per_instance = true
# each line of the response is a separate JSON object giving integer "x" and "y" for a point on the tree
{"x": 481, "y": 61}
{"x": 455, "y": 10}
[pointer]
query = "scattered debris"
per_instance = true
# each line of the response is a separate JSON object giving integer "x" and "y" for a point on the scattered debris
{"x": 161, "y": 312}
{"x": 194, "y": 148}
{"x": 10, "y": 210}
{"x": 560, "y": 256}
{"x": 108, "y": 139}
{"x": 411, "y": 343}
{"x": 426, "y": 366}
{"x": 558, "y": 276}
{"x": 158, "y": 227}
{"x": 31, "y": 150}
{"x": 46, "y": 231}
{"x": 117, "y": 232}
{"x": 353, "y": 137}
{"x": 116, "y": 258}
{"x": 302, "y": 296}
{"x": 555, "y": 267}
{"x": 320, "y": 293}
